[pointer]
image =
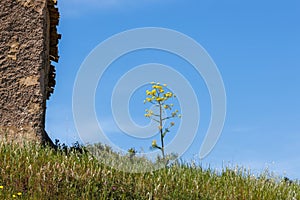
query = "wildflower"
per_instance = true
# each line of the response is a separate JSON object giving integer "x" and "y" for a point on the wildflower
{"x": 1, "y": 186}
{"x": 168, "y": 94}
{"x": 148, "y": 99}
{"x": 158, "y": 96}
{"x": 154, "y": 143}
{"x": 157, "y": 87}
{"x": 153, "y": 92}
{"x": 174, "y": 114}
{"x": 14, "y": 196}
{"x": 149, "y": 113}
{"x": 19, "y": 193}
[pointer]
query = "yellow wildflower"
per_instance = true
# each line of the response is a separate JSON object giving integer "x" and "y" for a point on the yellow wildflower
{"x": 153, "y": 92}
{"x": 19, "y": 193}
{"x": 157, "y": 87}
{"x": 148, "y": 99}
{"x": 148, "y": 113}
{"x": 159, "y": 99}
{"x": 1, "y": 186}
{"x": 14, "y": 196}
{"x": 148, "y": 92}
{"x": 154, "y": 143}
{"x": 168, "y": 95}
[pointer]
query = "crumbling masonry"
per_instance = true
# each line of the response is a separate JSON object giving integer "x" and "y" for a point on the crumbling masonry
{"x": 28, "y": 44}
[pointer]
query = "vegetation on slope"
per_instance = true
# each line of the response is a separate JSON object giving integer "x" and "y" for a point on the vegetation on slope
{"x": 35, "y": 172}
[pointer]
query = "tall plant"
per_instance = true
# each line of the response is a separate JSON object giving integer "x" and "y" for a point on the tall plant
{"x": 160, "y": 96}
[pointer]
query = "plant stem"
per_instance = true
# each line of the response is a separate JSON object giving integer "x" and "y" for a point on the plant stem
{"x": 161, "y": 131}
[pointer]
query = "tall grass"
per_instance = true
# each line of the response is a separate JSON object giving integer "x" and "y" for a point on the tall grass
{"x": 44, "y": 173}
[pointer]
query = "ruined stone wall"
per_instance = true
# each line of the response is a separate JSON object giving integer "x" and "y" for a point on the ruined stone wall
{"x": 28, "y": 43}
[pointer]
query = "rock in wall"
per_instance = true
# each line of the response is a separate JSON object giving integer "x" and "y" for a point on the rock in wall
{"x": 28, "y": 43}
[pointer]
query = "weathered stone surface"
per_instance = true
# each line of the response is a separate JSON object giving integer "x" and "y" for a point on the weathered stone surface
{"x": 28, "y": 42}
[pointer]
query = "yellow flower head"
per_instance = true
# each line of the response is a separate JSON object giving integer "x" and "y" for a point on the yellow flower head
{"x": 19, "y": 193}
{"x": 1, "y": 186}
{"x": 153, "y": 92}
{"x": 168, "y": 94}
{"x": 148, "y": 99}
{"x": 154, "y": 143}
{"x": 157, "y": 87}
{"x": 159, "y": 99}
{"x": 14, "y": 196}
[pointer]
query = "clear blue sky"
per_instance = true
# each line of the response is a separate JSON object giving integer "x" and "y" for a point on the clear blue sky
{"x": 255, "y": 44}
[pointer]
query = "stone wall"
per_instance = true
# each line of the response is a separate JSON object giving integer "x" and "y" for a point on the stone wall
{"x": 28, "y": 43}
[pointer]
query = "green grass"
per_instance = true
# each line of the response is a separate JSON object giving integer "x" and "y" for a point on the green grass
{"x": 44, "y": 173}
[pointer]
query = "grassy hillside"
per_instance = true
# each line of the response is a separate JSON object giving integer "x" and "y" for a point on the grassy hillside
{"x": 35, "y": 172}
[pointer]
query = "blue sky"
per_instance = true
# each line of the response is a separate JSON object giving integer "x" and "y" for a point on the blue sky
{"x": 255, "y": 44}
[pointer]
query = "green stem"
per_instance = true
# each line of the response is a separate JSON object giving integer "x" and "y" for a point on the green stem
{"x": 161, "y": 131}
